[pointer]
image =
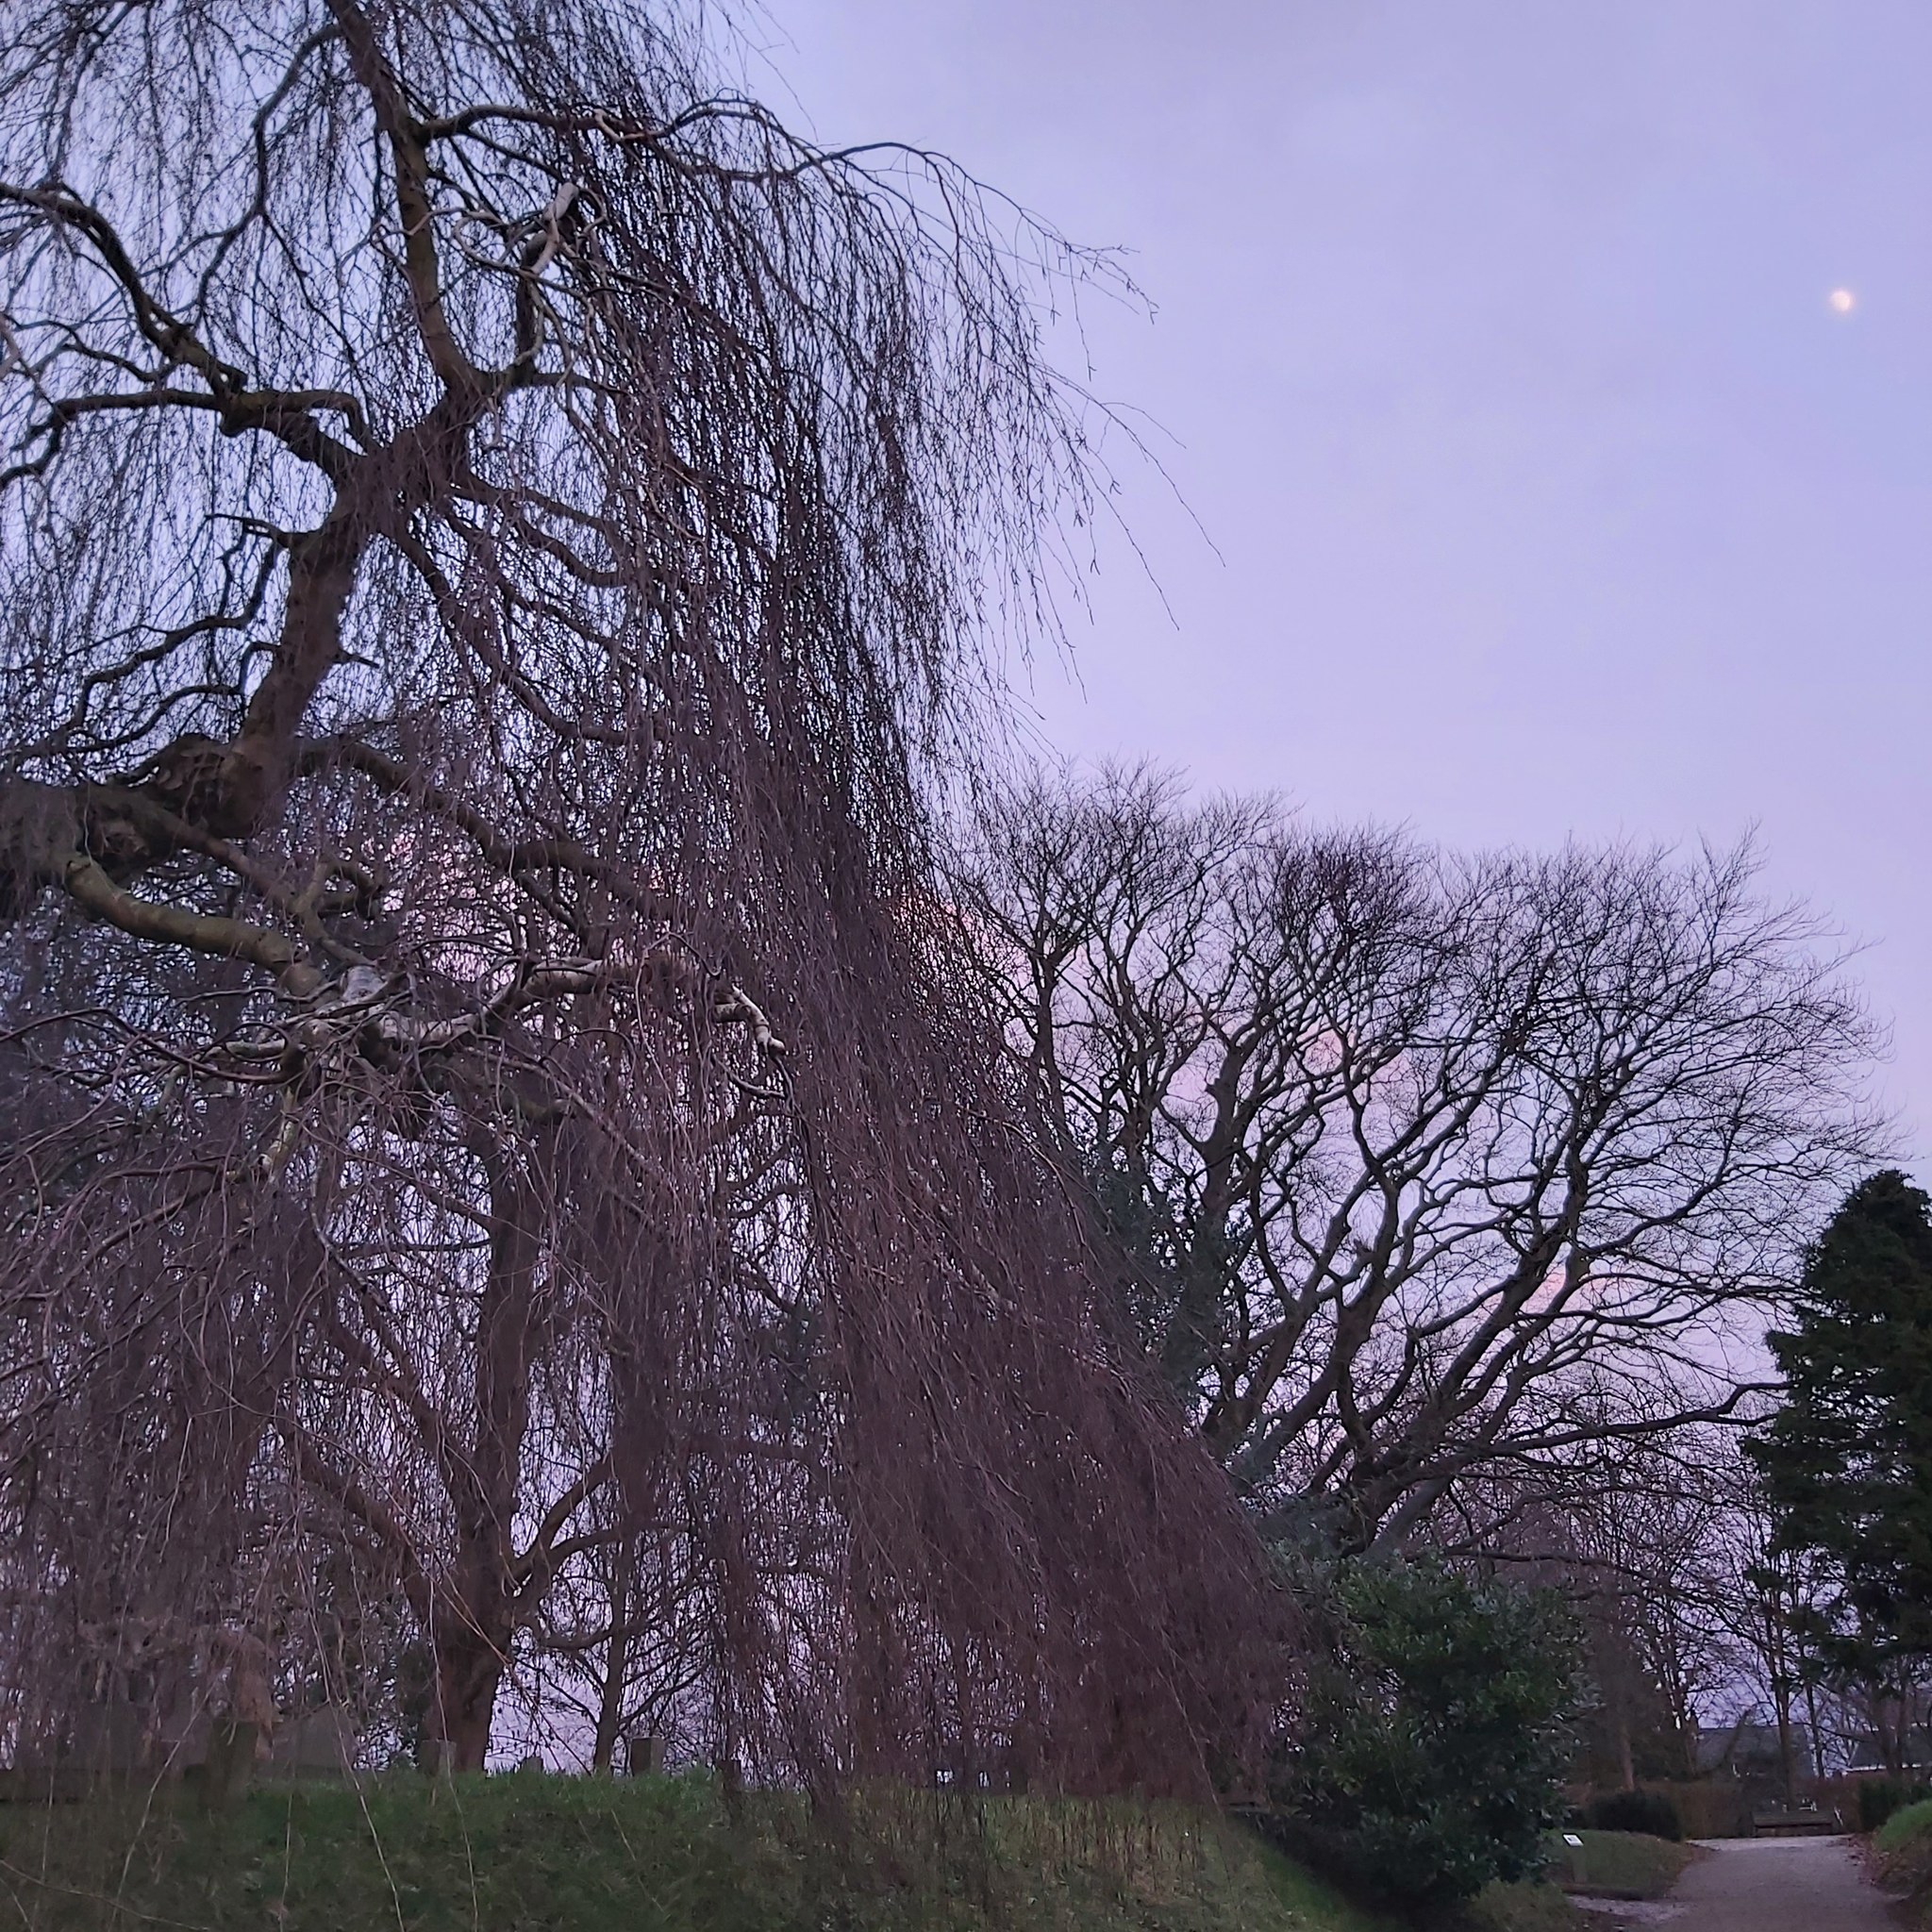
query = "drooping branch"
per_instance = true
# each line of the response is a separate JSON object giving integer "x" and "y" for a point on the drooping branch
{"x": 521, "y": 567}
{"x": 415, "y": 212}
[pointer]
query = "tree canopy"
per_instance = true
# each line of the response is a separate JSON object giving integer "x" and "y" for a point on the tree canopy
{"x": 1847, "y": 1458}
{"x": 1434, "y": 1169}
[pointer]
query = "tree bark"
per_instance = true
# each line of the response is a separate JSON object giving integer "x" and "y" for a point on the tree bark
{"x": 616, "y": 1658}
{"x": 469, "y": 1673}
{"x": 473, "y": 1635}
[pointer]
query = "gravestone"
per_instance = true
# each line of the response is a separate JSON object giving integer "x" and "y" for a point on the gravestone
{"x": 110, "y": 1739}
{"x": 321, "y": 1743}
{"x": 230, "y": 1762}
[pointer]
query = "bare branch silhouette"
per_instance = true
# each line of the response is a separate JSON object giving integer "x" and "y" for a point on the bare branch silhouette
{"x": 496, "y": 542}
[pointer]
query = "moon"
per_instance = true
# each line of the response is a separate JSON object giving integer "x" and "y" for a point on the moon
{"x": 1843, "y": 301}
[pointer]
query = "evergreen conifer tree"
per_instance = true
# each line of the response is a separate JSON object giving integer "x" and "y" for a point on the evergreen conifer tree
{"x": 1847, "y": 1461}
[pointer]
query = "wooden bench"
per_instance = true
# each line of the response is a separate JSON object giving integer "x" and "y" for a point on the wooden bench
{"x": 1779, "y": 1824}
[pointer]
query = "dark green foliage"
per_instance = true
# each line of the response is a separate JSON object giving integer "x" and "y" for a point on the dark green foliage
{"x": 1437, "y": 1729}
{"x": 1847, "y": 1461}
{"x": 1152, "y": 1260}
{"x": 1650, "y": 1812}
{"x": 1879, "y": 1797}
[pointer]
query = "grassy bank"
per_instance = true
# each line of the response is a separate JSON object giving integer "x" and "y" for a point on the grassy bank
{"x": 529, "y": 1853}
{"x": 1618, "y": 1864}
{"x": 1902, "y": 1854}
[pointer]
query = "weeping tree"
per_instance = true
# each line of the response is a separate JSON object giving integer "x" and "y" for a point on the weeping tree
{"x": 494, "y": 532}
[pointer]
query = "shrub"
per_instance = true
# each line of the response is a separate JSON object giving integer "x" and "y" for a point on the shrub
{"x": 1903, "y": 1855}
{"x": 1645, "y": 1811}
{"x": 1879, "y": 1797}
{"x": 1436, "y": 1729}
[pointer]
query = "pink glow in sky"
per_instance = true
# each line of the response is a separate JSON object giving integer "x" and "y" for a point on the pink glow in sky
{"x": 1553, "y": 491}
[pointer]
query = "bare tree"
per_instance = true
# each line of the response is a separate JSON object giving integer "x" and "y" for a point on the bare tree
{"x": 1433, "y": 1167}
{"x": 495, "y": 532}
{"x": 610, "y": 1645}
{"x": 1639, "y": 1533}
{"x": 1776, "y": 1602}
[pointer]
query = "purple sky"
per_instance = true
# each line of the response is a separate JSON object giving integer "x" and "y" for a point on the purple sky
{"x": 1494, "y": 340}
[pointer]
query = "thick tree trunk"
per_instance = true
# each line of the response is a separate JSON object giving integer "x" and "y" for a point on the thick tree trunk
{"x": 616, "y": 1659}
{"x": 469, "y": 1672}
{"x": 1783, "y": 1695}
{"x": 472, "y": 1638}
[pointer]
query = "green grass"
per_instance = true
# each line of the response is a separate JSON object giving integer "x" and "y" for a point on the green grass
{"x": 1617, "y": 1864}
{"x": 1264, "y": 1882}
{"x": 1902, "y": 1849}
{"x": 529, "y": 1853}
{"x": 1525, "y": 1907}
{"x": 1907, "y": 1827}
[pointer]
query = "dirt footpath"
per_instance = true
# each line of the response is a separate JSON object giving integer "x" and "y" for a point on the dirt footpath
{"x": 1770, "y": 1884}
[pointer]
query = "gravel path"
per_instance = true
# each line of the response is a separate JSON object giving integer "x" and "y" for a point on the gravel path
{"x": 1770, "y": 1884}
